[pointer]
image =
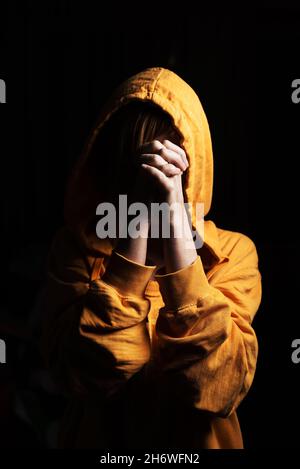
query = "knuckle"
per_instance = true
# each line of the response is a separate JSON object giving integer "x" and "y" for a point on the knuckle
{"x": 169, "y": 154}
{"x": 157, "y": 159}
{"x": 156, "y": 144}
{"x": 164, "y": 153}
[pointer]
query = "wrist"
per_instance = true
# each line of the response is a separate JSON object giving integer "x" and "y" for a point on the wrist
{"x": 173, "y": 197}
{"x": 134, "y": 249}
{"x": 178, "y": 216}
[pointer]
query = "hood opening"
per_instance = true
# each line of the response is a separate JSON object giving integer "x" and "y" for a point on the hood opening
{"x": 152, "y": 102}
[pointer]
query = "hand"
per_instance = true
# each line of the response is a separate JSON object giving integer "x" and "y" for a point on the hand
{"x": 163, "y": 164}
{"x": 168, "y": 179}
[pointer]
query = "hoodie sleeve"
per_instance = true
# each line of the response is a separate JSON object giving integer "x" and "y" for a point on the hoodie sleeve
{"x": 95, "y": 336}
{"x": 207, "y": 348}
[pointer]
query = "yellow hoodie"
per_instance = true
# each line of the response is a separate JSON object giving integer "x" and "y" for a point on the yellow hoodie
{"x": 151, "y": 362}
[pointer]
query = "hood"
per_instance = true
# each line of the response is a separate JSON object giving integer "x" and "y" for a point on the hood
{"x": 172, "y": 94}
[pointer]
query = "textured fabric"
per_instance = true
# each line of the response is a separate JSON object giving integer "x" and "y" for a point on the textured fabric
{"x": 161, "y": 361}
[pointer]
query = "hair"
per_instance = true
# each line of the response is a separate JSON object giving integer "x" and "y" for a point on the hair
{"x": 115, "y": 151}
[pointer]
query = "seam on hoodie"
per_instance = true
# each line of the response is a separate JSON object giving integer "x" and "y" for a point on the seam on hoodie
{"x": 192, "y": 304}
{"x": 96, "y": 288}
{"x": 180, "y": 308}
{"x": 155, "y": 83}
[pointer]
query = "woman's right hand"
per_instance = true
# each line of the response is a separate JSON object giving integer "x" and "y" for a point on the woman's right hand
{"x": 163, "y": 164}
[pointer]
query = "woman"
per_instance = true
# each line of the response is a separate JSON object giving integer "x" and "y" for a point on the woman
{"x": 152, "y": 341}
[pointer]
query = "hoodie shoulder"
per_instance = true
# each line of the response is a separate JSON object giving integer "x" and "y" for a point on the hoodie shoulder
{"x": 235, "y": 244}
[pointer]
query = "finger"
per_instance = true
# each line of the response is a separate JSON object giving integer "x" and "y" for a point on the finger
{"x": 173, "y": 157}
{"x": 170, "y": 145}
{"x": 151, "y": 147}
{"x": 158, "y": 162}
{"x": 155, "y": 146}
{"x": 152, "y": 159}
{"x": 158, "y": 175}
{"x": 170, "y": 170}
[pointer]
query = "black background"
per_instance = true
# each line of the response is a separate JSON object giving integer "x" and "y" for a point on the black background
{"x": 60, "y": 61}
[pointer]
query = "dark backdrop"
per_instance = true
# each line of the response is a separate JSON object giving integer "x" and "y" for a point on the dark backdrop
{"x": 60, "y": 62}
